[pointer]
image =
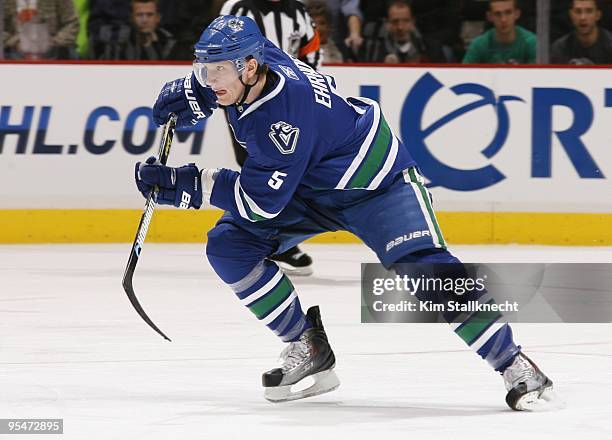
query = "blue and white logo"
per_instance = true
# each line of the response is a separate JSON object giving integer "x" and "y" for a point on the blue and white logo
{"x": 284, "y": 136}
{"x": 235, "y": 24}
{"x": 415, "y": 135}
{"x": 289, "y": 72}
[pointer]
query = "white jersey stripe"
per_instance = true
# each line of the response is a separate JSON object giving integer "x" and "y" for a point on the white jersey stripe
{"x": 261, "y": 101}
{"x": 387, "y": 166}
{"x": 253, "y": 206}
{"x": 239, "y": 203}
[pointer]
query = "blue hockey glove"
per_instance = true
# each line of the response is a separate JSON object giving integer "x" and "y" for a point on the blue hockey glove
{"x": 185, "y": 97}
{"x": 180, "y": 187}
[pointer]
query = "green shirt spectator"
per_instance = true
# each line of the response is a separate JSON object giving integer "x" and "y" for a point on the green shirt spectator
{"x": 485, "y": 49}
{"x": 505, "y": 43}
{"x": 82, "y": 8}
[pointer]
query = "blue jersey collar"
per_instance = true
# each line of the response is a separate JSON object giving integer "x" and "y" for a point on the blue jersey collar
{"x": 263, "y": 99}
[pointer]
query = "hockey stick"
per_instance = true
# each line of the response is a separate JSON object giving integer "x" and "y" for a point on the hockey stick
{"x": 143, "y": 227}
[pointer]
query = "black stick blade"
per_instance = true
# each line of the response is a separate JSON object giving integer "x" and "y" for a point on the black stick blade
{"x": 129, "y": 290}
{"x": 143, "y": 227}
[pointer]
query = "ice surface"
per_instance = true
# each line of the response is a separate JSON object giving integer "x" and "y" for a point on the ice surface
{"x": 72, "y": 347}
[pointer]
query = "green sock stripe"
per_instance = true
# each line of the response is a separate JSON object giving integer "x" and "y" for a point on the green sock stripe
{"x": 476, "y": 324}
{"x": 374, "y": 160}
{"x": 270, "y": 301}
{"x": 432, "y": 215}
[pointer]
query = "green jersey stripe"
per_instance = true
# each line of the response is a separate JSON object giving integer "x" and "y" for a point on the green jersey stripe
{"x": 375, "y": 157}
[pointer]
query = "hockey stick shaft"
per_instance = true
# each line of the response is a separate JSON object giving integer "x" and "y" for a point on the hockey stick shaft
{"x": 143, "y": 227}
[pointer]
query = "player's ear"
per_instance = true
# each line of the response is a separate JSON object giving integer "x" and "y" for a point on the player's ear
{"x": 251, "y": 68}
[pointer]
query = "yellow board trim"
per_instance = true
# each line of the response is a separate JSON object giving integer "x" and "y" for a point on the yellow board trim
{"x": 174, "y": 226}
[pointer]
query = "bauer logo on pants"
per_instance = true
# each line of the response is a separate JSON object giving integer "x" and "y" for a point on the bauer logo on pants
{"x": 407, "y": 237}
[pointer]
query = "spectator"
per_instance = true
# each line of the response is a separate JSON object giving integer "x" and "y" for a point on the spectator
{"x": 147, "y": 40}
{"x": 317, "y": 9}
{"x": 346, "y": 22}
{"x": 438, "y": 20}
{"x": 397, "y": 40}
{"x": 193, "y": 17}
{"x": 505, "y": 42}
{"x": 108, "y": 28}
{"x": 587, "y": 43}
{"x": 42, "y": 29}
{"x": 141, "y": 38}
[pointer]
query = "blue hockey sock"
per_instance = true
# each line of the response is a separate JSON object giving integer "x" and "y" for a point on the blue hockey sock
{"x": 269, "y": 294}
{"x": 485, "y": 332}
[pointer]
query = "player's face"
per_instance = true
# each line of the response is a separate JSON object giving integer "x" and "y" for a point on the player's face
{"x": 230, "y": 93}
{"x": 503, "y": 15}
{"x": 221, "y": 77}
{"x": 585, "y": 15}
{"x": 145, "y": 17}
{"x": 400, "y": 23}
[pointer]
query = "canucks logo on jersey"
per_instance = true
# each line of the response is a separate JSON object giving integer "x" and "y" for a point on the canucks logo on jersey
{"x": 284, "y": 136}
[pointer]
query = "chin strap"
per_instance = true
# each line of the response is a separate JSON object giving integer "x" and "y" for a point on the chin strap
{"x": 247, "y": 89}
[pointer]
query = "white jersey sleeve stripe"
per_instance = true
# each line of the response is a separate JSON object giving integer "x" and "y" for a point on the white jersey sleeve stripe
{"x": 252, "y": 205}
{"x": 238, "y": 200}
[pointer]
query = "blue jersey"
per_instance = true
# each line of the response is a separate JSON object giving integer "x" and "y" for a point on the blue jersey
{"x": 302, "y": 137}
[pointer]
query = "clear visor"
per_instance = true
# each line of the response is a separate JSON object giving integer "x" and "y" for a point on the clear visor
{"x": 217, "y": 75}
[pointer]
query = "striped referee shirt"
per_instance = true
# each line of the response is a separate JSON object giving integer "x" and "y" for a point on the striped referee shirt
{"x": 285, "y": 23}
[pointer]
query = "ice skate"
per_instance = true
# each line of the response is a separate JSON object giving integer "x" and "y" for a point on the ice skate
{"x": 528, "y": 388}
{"x": 294, "y": 262}
{"x": 309, "y": 358}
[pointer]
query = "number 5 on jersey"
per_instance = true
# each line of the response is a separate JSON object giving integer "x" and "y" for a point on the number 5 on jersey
{"x": 276, "y": 180}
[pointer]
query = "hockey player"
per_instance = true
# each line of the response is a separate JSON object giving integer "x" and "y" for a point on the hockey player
{"x": 317, "y": 162}
{"x": 288, "y": 25}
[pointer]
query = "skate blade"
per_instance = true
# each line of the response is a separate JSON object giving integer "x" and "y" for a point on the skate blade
{"x": 539, "y": 401}
{"x": 287, "y": 269}
{"x": 324, "y": 382}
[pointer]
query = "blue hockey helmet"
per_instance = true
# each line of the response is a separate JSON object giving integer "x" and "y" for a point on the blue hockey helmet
{"x": 228, "y": 38}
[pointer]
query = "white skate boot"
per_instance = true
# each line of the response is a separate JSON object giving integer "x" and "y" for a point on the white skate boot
{"x": 309, "y": 357}
{"x": 528, "y": 388}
